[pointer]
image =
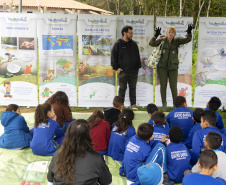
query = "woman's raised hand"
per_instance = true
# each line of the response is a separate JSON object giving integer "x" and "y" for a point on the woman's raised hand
{"x": 157, "y": 32}
{"x": 190, "y": 27}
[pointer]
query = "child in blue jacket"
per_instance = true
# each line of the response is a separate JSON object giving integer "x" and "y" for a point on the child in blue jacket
{"x": 214, "y": 105}
{"x": 159, "y": 120}
{"x": 122, "y": 131}
{"x": 48, "y": 135}
{"x": 137, "y": 150}
{"x": 208, "y": 122}
{"x": 16, "y": 132}
{"x": 151, "y": 109}
{"x": 178, "y": 156}
{"x": 197, "y": 118}
{"x": 181, "y": 116}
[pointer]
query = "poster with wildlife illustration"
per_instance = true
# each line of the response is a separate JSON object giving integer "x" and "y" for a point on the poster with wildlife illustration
{"x": 18, "y": 59}
{"x": 57, "y": 56}
{"x": 184, "y": 80}
{"x": 210, "y": 79}
{"x": 96, "y": 78}
{"x": 143, "y": 29}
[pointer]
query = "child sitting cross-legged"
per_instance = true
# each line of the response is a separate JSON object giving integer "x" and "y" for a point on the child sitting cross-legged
{"x": 122, "y": 131}
{"x": 208, "y": 122}
{"x": 213, "y": 141}
{"x": 151, "y": 109}
{"x": 208, "y": 165}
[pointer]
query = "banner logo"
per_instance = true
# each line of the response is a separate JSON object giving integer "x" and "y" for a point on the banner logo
{"x": 135, "y": 21}
{"x": 96, "y": 21}
{"x": 217, "y": 23}
{"x": 22, "y": 19}
{"x": 175, "y": 23}
{"x": 61, "y": 20}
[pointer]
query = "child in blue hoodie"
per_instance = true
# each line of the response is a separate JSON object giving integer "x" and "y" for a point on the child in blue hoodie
{"x": 151, "y": 109}
{"x": 214, "y": 105}
{"x": 159, "y": 120}
{"x": 48, "y": 135}
{"x": 138, "y": 149}
{"x": 181, "y": 116}
{"x": 197, "y": 118}
{"x": 122, "y": 131}
{"x": 16, "y": 132}
{"x": 178, "y": 156}
{"x": 208, "y": 122}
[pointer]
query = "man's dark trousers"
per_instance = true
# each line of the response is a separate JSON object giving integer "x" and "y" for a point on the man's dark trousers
{"x": 131, "y": 79}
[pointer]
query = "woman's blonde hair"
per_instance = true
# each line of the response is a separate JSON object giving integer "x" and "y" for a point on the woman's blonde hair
{"x": 171, "y": 28}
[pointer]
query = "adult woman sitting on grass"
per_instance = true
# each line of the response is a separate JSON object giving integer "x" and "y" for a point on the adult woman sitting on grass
{"x": 76, "y": 162}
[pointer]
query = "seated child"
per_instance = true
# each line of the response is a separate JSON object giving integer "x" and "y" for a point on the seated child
{"x": 159, "y": 120}
{"x": 208, "y": 165}
{"x": 151, "y": 108}
{"x": 48, "y": 135}
{"x": 61, "y": 107}
{"x": 100, "y": 131}
{"x": 122, "y": 131}
{"x": 208, "y": 122}
{"x": 213, "y": 141}
{"x": 111, "y": 115}
{"x": 181, "y": 116}
{"x": 16, "y": 132}
{"x": 137, "y": 150}
{"x": 150, "y": 174}
{"x": 177, "y": 154}
{"x": 214, "y": 105}
{"x": 197, "y": 118}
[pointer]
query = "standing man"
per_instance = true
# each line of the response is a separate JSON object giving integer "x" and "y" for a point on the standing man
{"x": 125, "y": 59}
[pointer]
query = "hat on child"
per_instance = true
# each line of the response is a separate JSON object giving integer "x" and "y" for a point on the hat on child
{"x": 150, "y": 173}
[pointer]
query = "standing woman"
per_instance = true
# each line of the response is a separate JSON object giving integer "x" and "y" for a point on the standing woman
{"x": 76, "y": 163}
{"x": 167, "y": 67}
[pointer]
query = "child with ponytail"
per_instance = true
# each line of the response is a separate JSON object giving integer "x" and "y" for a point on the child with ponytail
{"x": 100, "y": 131}
{"x": 121, "y": 132}
{"x": 48, "y": 135}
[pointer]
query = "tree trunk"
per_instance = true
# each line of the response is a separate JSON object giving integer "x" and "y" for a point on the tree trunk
{"x": 117, "y": 7}
{"x": 208, "y": 10}
{"x": 200, "y": 8}
{"x": 107, "y": 3}
{"x": 166, "y": 8}
{"x": 131, "y": 8}
{"x": 181, "y": 8}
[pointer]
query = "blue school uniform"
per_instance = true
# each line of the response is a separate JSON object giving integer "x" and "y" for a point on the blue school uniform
{"x": 199, "y": 138}
{"x": 117, "y": 142}
{"x": 219, "y": 123}
{"x": 200, "y": 179}
{"x": 182, "y": 117}
{"x": 188, "y": 141}
{"x": 16, "y": 132}
{"x": 178, "y": 160}
{"x": 159, "y": 132}
{"x": 46, "y": 138}
{"x": 151, "y": 122}
{"x": 136, "y": 152}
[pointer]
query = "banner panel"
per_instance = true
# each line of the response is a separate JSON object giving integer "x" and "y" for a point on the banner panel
{"x": 143, "y": 29}
{"x": 211, "y": 62}
{"x": 184, "y": 80}
{"x": 96, "y": 34}
{"x": 18, "y": 59}
{"x": 57, "y": 56}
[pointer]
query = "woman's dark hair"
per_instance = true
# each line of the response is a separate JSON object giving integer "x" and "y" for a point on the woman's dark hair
{"x": 76, "y": 143}
{"x": 12, "y": 107}
{"x": 94, "y": 119}
{"x": 59, "y": 97}
{"x": 125, "y": 119}
{"x": 41, "y": 113}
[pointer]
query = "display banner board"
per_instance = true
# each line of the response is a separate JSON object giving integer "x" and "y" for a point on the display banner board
{"x": 18, "y": 59}
{"x": 143, "y": 29}
{"x": 96, "y": 36}
{"x": 211, "y": 61}
{"x": 57, "y": 40}
{"x": 184, "y": 81}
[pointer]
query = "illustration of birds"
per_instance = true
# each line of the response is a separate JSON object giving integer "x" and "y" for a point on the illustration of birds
{"x": 222, "y": 52}
{"x": 206, "y": 63}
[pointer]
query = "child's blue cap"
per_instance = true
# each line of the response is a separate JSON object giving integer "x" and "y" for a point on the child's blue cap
{"x": 150, "y": 173}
